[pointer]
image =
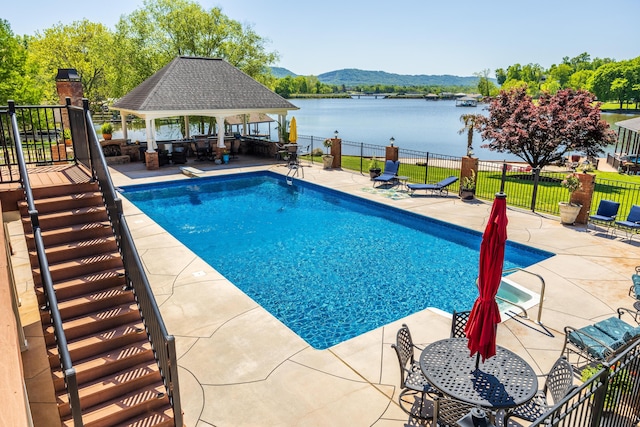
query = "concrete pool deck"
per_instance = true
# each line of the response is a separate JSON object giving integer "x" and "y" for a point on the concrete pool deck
{"x": 239, "y": 366}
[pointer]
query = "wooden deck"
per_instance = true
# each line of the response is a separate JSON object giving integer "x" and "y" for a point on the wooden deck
{"x": 47, "y": 176}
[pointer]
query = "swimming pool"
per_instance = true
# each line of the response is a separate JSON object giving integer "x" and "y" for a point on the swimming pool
{"x": 328, "y": 265}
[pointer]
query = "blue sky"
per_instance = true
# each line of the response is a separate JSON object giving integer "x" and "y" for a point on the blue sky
{"x": 458, "y": 37}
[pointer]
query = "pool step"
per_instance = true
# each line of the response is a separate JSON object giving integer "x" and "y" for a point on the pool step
{"x": 117, "y": 373}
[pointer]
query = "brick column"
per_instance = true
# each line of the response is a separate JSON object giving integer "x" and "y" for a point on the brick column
{"x": 468, "y": 164}
{"x": 151, "y": 160}
{"x": 391, "y": 153}
{"x": 336, "y": 152}
{"x": 583, "y": 196}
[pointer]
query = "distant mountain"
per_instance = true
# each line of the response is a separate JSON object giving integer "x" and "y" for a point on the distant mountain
{"x": 353, "y": 77}
{"x": 280, "y": 72}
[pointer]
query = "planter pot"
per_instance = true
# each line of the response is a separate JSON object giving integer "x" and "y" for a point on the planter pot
{"x": 375, "y": 172}
{"x": 225, "y": 158}
{"x": 327, "y": 161}
{"x": 467, "y": 194}
{"x": 106, "y": 136}
{"x": 569, "y": 213}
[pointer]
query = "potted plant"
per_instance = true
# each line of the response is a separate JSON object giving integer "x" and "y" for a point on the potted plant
{"x": 569, "y": 211}
{"x": 327, "y": 159}
{"x": 225, "y": 156}
{"x": 374, "y": 168}
{"x": 468, "y": 186}
{"x": 107, "y": 130}
{"x": 66, "y": 135}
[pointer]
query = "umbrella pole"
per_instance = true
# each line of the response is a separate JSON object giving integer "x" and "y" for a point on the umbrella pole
{"x": 477, "y": 360}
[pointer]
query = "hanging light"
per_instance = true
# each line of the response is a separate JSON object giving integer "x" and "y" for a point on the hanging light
{"x": 335, "y": 134}
{"x": 392, "y": 140}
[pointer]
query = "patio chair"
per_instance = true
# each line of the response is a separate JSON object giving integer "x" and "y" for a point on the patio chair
{"x": 632, "y": 224}
{"x": 634, "y": 290}
{"x": 412, "y": 381}
{"x": 558, "y": 384}
{"x": 458, "y": 323}
{"x": 603, "y": 340}
{"x": 605, "y": 215}
{"x": 202, "y": 149}
{"x": 439, "y": 188}
{"x": 179, "y": 155}
{"x": 390, "y": 173}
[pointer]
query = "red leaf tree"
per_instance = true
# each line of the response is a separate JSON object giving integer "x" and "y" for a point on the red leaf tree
{"x": 542, "y": 133}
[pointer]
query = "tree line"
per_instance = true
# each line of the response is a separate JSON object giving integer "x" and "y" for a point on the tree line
{"x": 112, "y": 62}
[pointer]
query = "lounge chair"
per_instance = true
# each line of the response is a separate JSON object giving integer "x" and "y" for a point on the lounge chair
{"x": 603, "y": 340}
{"x": 606, "y": 214}
{"x": 390, "y": 174}
{"x": 439, "y": 188}
{"x": 632, "y": 224}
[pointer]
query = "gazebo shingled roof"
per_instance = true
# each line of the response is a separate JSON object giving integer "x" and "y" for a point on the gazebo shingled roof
{"x": 200, "y": 87}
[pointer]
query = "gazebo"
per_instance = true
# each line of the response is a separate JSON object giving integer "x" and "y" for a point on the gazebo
{"x": 192, "y": 86}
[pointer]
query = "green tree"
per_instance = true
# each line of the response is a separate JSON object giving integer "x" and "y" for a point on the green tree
{"x": 16, "y": 77}
{"x": 541, "y": 133}
{"x": 163, "y": 29}
{"x": 561, "y": 73}
{"x": 484, "y": 84}
{"x": 83, "y": 45}
{"x": 470, "y": 121}
{"x": 501, "y": 76}
{"x": 580, "y": 80}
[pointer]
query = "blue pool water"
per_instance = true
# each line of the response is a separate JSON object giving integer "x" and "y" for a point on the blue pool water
{"x": 328, "y": 265}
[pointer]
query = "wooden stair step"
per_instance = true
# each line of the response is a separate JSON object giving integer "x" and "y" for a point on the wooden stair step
{"x": 99, "y": 321}
{"x": 120, "y": 410}
{"x": 71, "y": 233}
{"x": 100, "y": 342}
{"x": 161, "y": 417}
{"x": 75, "y": 249}
{"x": 53, "y": 220}
{"x": 80, "y": 266}
{"x": 63, "y": 202}
{"x": 60, "y": 190}
{"x": 110, "y": 387}
{"x": 106, "y": 364}
{"x": 94, "y": 301}
{"x": 80, "y": 285}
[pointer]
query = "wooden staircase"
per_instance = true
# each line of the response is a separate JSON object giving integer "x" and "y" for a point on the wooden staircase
{"x": 118, "y": 377}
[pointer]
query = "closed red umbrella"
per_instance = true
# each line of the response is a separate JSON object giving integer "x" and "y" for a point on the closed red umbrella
{"x": 485, "y": 315}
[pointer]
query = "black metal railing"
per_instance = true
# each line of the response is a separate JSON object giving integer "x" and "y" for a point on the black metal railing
{"x": 45, "y": 275}
{"x": 609, "y": 398}
{"x": 163, "y": 344}
{"x": 625, "y": 193}
{"x": 42, "y": 132}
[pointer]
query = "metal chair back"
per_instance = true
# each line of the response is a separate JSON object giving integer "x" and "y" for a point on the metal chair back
{"x": 404, "y": 350}
{"x": 559, "y": 380}
{"x": 458, "y": 323}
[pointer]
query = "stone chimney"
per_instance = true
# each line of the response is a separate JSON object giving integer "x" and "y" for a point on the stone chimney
{"x": 69, "y": 86}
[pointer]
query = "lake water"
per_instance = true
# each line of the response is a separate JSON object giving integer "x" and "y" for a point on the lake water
{"x": 415, "y": 124}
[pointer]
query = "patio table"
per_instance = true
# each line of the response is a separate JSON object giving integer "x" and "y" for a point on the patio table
{"x": 503, "y": 381}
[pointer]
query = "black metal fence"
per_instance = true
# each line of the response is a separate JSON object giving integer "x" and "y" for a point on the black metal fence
{"x": 42, "y": 131}
{"x": 609, "y": 398}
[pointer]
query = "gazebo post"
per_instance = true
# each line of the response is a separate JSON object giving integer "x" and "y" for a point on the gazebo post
{"x": 123, "y": 123}
{"x": 187, "y": 134}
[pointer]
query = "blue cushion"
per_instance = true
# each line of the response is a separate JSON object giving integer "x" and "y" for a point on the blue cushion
{"x": 614, "y": 327}
{"x": 590, "y": 345}
{"x": 636, "y": 289}
{"x": 636, "y": 279}
{"x": 631, "y": 333}
{"x": 601, "y": 218}
{"x": 629, "y": 224}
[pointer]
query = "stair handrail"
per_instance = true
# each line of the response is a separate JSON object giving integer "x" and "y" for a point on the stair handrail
{"x": 163, "y": 344}
{"x": 47, "y": 282}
